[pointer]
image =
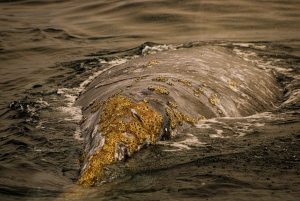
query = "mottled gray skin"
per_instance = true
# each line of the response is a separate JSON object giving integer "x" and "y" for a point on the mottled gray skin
{"x": 214, "y": 69}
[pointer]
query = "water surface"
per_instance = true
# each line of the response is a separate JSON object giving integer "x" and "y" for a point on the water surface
{"x": 48, "y": 48}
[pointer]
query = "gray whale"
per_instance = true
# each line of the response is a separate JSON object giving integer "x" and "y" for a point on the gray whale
{"x": 156, "y": 96}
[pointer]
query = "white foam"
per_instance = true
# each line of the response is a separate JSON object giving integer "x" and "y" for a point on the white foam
{"x": 43, "y": 103}
{"x": 242, "y": 44}
{"x": 77, "y": 134}
{"x": 159, "y": 48}
{"x": 218, "y": 134}
{"x": 190, "y": 141}
{"x": 75, "y": 113}
{"x": 70, "y": 97}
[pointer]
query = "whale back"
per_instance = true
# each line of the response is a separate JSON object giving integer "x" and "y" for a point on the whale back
{"x": 152, "y": 97}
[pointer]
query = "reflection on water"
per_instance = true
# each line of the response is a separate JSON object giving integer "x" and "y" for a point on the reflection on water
{"x": 51, "y": 45}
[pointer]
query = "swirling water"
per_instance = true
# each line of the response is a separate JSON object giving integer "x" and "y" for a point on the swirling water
{"x": 49, "y": 48}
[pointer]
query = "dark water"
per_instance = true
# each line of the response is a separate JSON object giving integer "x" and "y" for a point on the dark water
{"x": 48, "y": 48}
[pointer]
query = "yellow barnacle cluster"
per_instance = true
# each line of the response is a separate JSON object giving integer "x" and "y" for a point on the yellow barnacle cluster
{"x": 150, "y": 63}
{"x": 172, "y": 104}
{"x": 187, "y": 83}
{"x": 212, "y": 101}
{"x": 196, "y": 92}
{"x": 159, "y": 90}
{"x": 171, "y": 117}
{"x": 160, "y": 79}
{"x": 213, "y": 98}
{"x": 188, "y": 119}
{"x": 122, "y": 121}
{"x": 232, "y": 83}
{"x": 183, "y": 117}
{"x": 178, "y": 116}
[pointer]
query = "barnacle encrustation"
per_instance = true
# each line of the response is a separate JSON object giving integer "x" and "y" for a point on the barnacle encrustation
{"x": 233, "y": 84}
{"x": 133, "y": 133}
{"x": 150, "y": 63}
{"x": 160, "y": 79}
{"x": 171, "y": 117}
{"x": 172, "y": 104}
{"x": 160, "y": 90}
{"x": 213, "y": 98}
{"x": 186, "y": 82}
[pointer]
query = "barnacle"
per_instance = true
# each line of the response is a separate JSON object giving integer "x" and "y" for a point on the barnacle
{"x": 220, "y": 111}
{"x": 160, "y": 79}
{"x": 131, "y": 132}
{"x": 201, "y": 90}
{"x": 212, "y": 101}
{"x": 188, "y": 83}
{"x": 178, "y": 116}
{"x": 172, "y": 104}
{"x": 160, "y": 90}
{"x": 150, "y": 63}
{"x": 232, "y": 83}
{"x": 188, "y": 119}
{"x": 170, "y": 83}
{"x": 171, "y": 117}
{"x": 213, "y": 98}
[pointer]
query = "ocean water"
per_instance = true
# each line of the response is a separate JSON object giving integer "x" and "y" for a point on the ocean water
{"x": 50, "y": 50}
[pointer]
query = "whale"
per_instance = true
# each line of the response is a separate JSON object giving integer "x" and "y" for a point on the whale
{"x": 155, "y": 97}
